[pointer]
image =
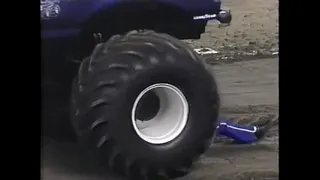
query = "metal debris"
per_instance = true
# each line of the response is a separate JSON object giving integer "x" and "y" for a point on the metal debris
{"x": 203, "y": 51}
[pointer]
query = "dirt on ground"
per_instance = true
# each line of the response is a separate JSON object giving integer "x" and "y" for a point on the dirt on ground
{"x": 249, "y": 92}
{"x": 252, "y": 32}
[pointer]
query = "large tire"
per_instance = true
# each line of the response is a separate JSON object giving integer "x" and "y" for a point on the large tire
{"x": 105, "y": 91}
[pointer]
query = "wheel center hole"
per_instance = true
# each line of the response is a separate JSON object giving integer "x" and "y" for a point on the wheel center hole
{"x": 148, "y": 106}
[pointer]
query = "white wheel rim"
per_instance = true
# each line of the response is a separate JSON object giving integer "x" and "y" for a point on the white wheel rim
{"x": 171, "y": 118}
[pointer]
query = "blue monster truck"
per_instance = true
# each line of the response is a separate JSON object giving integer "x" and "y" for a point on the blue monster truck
{"x": 141, "y": 100}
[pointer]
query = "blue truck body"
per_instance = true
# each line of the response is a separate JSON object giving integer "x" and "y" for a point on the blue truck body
{"x": 66, "y": 18}
{"x": 69, "y": 28}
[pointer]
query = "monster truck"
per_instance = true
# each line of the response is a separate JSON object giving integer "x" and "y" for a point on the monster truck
{"x": 141, "y": 100}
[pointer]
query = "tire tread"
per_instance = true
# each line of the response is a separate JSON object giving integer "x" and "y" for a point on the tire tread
{"x": 87, "y": 95}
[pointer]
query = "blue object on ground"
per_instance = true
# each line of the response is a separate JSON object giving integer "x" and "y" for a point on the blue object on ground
{"x": 239, "y": 133}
